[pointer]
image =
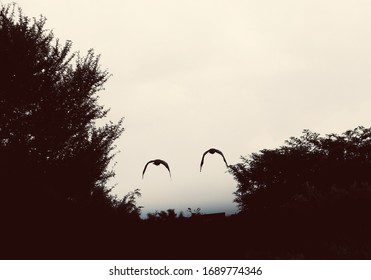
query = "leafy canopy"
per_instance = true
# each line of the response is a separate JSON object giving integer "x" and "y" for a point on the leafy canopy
{"x": 50, "y": 146}
{"x": 305, "y": 170}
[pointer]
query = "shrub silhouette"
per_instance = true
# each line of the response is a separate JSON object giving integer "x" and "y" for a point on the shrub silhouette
{"x": 305, "y": 168}
{"x": 54, "y": 159}
{"x": 313, "y": 190}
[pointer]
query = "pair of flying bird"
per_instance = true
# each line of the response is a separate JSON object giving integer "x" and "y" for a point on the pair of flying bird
{"x": 164, "y": 163}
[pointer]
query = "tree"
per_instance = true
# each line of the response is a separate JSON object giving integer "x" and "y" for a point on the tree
{"x": 310, "y": 197}
{"x": 127, "y": 206}
{"x": 163, "y": 216}
{"x": 306, "y": 168}
{"x": 52, "y": 153}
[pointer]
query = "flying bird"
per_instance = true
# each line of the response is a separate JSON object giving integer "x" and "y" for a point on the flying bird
{"x": 212, "y": 151}
{"x": 156, "y": 162}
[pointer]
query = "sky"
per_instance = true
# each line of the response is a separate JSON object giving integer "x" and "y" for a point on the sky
{"x": 239, "y": 76}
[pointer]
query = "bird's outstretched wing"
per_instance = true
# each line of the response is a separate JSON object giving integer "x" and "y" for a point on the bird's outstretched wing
{"x": 220, "y": 153}
{"x": 145, "y": 167}
{"x": 166, "y": 165}
{"x": 202, "y": 160}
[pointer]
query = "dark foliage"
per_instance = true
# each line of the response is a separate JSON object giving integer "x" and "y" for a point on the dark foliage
{"x": 54, "y": 159}
{"x": 307, "y": 169}
{"x": 313, "y": 192}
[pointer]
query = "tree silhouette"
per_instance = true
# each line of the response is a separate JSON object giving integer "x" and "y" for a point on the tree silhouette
{"x": 127, "y": 206}
{"x": 305, "y": 168}
{"x": 313, "y": 187}
{"x": 52, "y": 153}
{"x": 163, "y": 216}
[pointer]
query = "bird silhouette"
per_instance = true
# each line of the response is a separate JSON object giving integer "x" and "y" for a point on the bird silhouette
{"x": 212, "y": 151}
{"x": 156, "y": 162}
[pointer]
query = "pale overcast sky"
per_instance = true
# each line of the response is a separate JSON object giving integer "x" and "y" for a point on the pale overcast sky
{"x": 239, "y": 76}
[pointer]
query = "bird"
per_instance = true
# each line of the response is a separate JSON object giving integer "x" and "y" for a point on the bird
{"x": 212, "y": 151}
{"x": 156, "y": 162}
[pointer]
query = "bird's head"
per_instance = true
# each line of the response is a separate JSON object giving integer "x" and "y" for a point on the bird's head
{"x": 212, "y": 151}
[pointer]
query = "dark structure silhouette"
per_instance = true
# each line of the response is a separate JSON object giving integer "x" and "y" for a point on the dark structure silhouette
{"x": 157, "y": 162}
{"x": 212, "y": 151}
